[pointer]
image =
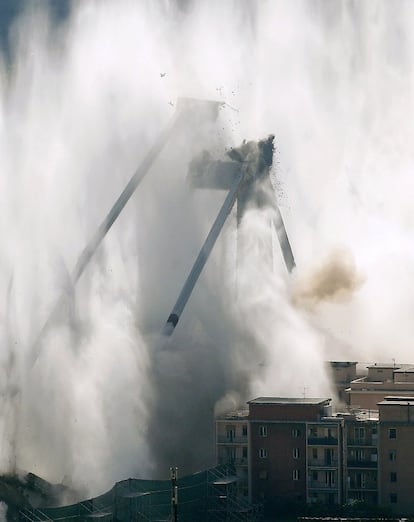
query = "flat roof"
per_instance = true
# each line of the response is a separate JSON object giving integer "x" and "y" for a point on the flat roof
{"x": 385, "y": 366}
{"x": 405, "y": 370}
{"x": 289, "y": 400}
{"x": 342, "y": 364}
{"x": 234, "y": 415}
{"x": 394, "y": 399}
{"x": 397, "y": 403}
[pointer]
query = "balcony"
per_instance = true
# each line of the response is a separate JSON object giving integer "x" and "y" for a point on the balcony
{"x": 369, "y": 485}
{"x": 362, "y": 463}
{"x": 223, "y": 439}
{"x": 236, "y": 461}
{"x": 323, "y": 463}
{"x": 322, "y": 441}
{"x": 318, "y": 484}
{"x": 366, "y": 441}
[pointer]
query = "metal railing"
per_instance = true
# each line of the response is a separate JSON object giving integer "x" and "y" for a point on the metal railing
{"x": 323, "y": 463}
{"x": 322, "y": 441}
{"x": 366, "y": 441}
{"x": 319, "y": 484}
{"x": 366, "y": 463}
{"x": 223, "y": 439}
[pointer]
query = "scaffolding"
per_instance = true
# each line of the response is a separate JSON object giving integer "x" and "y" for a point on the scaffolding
{"x": 207, "y": 496}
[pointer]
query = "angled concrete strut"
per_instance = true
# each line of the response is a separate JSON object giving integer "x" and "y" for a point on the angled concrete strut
{"x": 191, "y": 109}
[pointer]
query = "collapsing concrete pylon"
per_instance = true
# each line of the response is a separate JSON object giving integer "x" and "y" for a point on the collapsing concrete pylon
{"x": 246, "y": 176}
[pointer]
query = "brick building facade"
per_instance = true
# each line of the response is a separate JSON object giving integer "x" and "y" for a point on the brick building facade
{"x": 298, "y": 451}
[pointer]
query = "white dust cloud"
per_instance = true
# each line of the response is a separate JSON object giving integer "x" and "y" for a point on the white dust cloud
{"x": 79, "y": 107}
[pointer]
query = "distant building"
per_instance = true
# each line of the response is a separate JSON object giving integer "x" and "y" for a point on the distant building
{"x": 382, "y": 380}
{"x": 342, "y": 373}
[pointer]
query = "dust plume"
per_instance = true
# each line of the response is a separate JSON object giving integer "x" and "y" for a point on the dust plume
{"x": 334, "y": 280}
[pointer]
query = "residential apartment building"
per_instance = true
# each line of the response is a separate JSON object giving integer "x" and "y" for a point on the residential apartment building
{"x": 360, "y": 462}
{"x": 396, "y": 456}
{"x": 299, "y": 451}
{"x": 382, "y": 380}
{"x": 278, "y": 447}
{"x": 232, "y": 445}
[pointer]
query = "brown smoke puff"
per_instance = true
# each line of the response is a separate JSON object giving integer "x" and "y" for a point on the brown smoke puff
{"x": 335, "y": 280}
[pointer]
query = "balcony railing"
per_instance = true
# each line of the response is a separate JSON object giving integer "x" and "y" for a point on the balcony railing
{"x": 369, "y": 484}
{"x": 223, "y": 439}
{"x": 322, "y": 441}
{"x": 366, "y": 441}
{"x": 323, "y": 463}
{"x": 362, "y": 464}
{"x": 318, "y": 484}
{"x": 237, "y": 461}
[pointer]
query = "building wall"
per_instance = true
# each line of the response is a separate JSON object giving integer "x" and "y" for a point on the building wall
{"x": 367, "y": 395}
{"x": 324, "y": 462}
{"x": 397, "y": 457}
{"x": 288, "y": 412}
{"x": 381, "y": 373}
{"x": 361, "y": 461}
{"x": 367, "y": 399}
{"x": 278, "y": 461}
{"x": 404, "y": 376}
{"x": 342, "y": 373}
{"x": 232, "y": 448}
{"x": 331, "y": 460}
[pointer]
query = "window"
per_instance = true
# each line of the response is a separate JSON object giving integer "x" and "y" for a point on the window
{"x": 360, "y": 480}
{"x": 295, "y": 453}
{"x": 329, "y": 456}
{"x": 295, "y": 474}
{"x": 244, "y": 430}
{"x": 313, "y": 432}
{"x": 392, "y": 454}
{"x": 329, "y": 479}
{"x": 230, "y": 432}
{"x": 393, "y": 498}
{"x": 295, "y": 433}
{"x": 263, "y": 431}
{"x": 315, "y": 453}
{"x": 263, "y": 474}
{"x": 263, "y": 453}
{"x": 393, "y": 476}
{"x": 360, "y": 455}
{"x": 392, "y": 433}
{"x": 314, "y": 476}
{"x": 359, "y": 434}
{"x": 245, "y": 452}
{"x": 230, "y": 455}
